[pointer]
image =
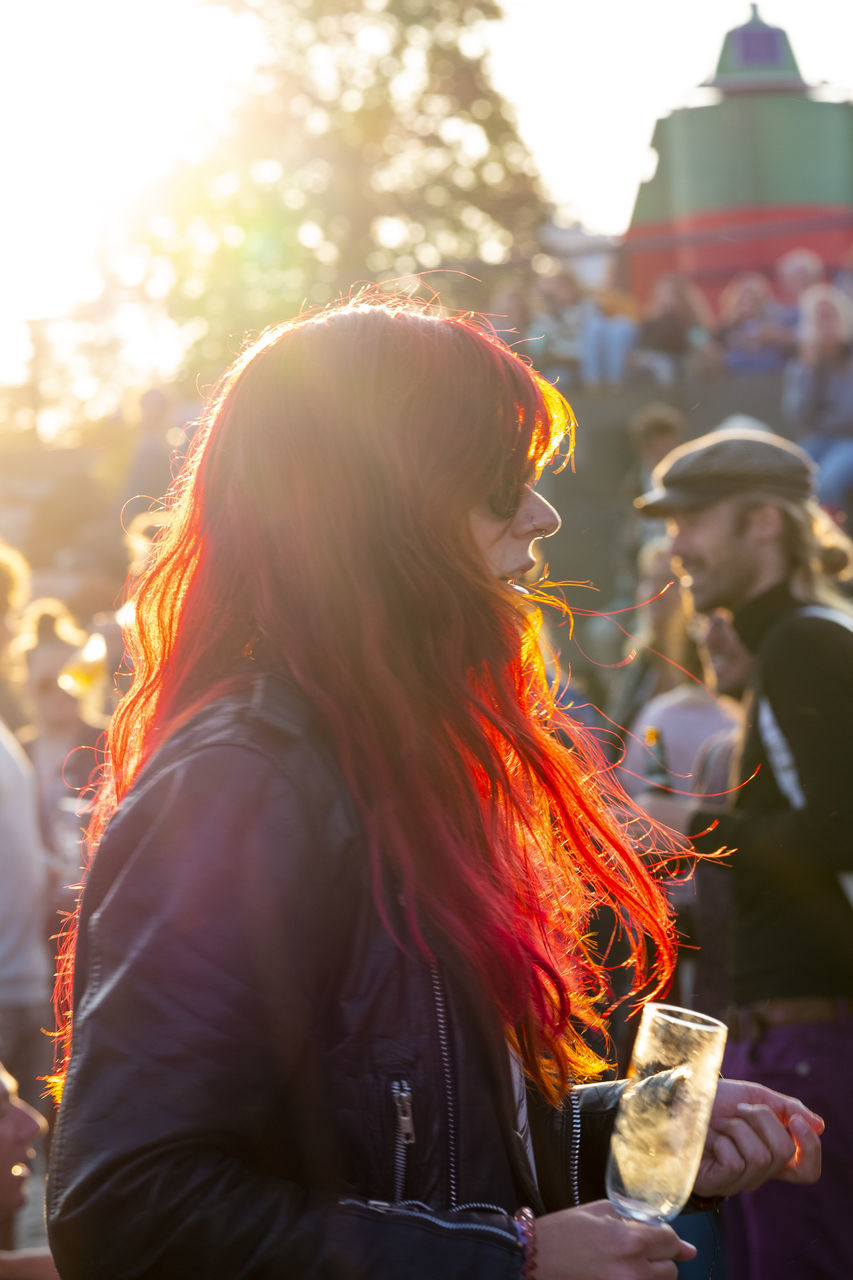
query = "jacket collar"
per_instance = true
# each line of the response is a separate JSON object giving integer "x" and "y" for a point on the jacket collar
{"x": 754, "y": 619}
{"x": 278, "y": 700}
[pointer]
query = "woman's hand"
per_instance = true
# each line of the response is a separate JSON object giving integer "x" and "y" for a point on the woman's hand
{"x": 756, "y": 1134}
{"x": 594, "y": 1243}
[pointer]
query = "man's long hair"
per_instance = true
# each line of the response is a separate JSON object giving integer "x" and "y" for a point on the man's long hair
{"x": 320, "y": 527}
{"x": 818, "y": 553}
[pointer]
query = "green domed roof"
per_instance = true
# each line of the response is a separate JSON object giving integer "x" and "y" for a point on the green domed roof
{"x": 757, "y": 58}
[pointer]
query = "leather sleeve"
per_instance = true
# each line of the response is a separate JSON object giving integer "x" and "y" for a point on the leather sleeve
{"x": 178, "y": 1069}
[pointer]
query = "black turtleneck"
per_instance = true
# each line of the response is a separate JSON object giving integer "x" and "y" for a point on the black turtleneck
{"x": 754, "y": 619}
{"x": 792, "y": 824}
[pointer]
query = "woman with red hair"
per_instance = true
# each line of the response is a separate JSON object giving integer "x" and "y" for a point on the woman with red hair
{"x": 332, "y": 980}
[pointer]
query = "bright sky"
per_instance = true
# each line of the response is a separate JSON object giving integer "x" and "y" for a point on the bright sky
{"x": 99, "y": 96}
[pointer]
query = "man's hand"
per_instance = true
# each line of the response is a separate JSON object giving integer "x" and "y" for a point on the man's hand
{"x": 756, "y": 1134}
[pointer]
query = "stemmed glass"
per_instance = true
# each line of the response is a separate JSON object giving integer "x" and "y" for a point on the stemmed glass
{"x": 662, "y": 1119}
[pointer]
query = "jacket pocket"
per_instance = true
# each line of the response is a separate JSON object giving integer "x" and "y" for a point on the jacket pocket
{"x": 404, "y": 1133}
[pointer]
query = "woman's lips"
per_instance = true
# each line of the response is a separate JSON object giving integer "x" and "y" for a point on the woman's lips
{"x": 520, "y": 571}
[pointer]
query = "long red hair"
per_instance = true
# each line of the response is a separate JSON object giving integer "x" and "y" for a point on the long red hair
{"x": 321, "y": 526}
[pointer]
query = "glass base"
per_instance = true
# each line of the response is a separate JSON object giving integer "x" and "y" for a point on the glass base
{"x": 640, "y": 1211}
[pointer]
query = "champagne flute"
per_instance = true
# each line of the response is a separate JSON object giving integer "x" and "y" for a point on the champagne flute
{"x": 663, "y": 1115}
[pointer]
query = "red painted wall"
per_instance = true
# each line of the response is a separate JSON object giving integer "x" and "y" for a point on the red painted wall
{"x": 712, "y": 247}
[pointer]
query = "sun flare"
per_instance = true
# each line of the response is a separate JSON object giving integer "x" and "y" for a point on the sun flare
{"x": 99, "y": 98}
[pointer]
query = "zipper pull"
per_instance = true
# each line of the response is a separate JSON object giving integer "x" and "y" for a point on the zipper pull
{"x": 402, "y": 1095}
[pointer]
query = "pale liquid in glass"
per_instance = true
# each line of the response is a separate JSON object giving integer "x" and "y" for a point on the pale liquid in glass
{"x": 662, "y": 1120}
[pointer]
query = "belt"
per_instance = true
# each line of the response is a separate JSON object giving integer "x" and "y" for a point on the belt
{"x": 750, "y": 1021}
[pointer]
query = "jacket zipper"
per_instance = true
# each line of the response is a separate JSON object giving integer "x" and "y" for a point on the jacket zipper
{"x": 444, "y": 1048}
{"x": 575, "y": 1103}
{"x": 402, "y": 1094}
{"x": 423, "y": 1213}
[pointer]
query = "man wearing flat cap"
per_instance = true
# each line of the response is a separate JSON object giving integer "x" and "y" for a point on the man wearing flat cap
{"x": 748, "y": 533}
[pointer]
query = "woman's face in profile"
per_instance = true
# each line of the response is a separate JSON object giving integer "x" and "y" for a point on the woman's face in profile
{"x": 505, "y": 544}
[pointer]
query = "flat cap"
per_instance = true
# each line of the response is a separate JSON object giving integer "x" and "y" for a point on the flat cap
{"x": 726, "y": 462}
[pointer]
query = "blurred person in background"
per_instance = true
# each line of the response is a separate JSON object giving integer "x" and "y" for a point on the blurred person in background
{"x": 817, "y": 396}
{"x": 24, "y": 872}
{"x": 335, "y": 797}
{"x": 14, "y": 593}
{"x": 61, "y": 740}
{"x": 795, "y": 272}
{"x": 657, "y": 646}
{"x": 746, "y": 337}
{"x": 666, "y": 734}
{"x": 654, "y": 430}
{"x": 571, "y": 341}
{"x": 620, "y": 313}
{"x": 26, "y": 1016}
{"x": 20, "y": 1127}
{"x": 675, "y": 327}
{"x": 748, "y": 532}
{"x": 156, "y": 439}
{"x": 843, "y": 277}
{"x": 670, "y": 728}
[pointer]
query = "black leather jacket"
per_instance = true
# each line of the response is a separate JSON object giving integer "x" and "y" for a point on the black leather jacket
{"x": 263, "y": 1082}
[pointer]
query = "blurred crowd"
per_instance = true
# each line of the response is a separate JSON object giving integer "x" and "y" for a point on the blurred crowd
{"x": 599, "y": 337}
{"x": 798, "y": 324}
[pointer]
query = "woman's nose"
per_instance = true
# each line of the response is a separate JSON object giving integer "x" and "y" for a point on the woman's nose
{"x": 539, "y": 518}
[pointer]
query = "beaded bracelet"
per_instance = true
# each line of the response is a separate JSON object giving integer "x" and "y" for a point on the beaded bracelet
{"x": 525, "y": 1225}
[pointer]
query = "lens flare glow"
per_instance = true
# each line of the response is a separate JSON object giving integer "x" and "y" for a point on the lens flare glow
{"x": 98, "y": 99}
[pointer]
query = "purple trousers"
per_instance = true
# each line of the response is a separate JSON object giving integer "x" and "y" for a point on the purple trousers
{"x": 782, "y": 1231}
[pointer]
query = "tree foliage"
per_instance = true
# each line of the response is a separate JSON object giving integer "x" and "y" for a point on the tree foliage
{"x": 373, "y": 147}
